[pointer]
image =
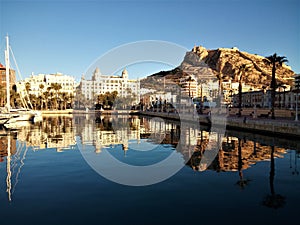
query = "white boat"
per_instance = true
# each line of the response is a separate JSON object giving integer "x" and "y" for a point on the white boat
{"x": 17, "y": 125}
{"x": 4, "y": 117}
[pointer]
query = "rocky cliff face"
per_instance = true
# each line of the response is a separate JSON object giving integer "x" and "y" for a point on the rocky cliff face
{"x": 224, "y": 64}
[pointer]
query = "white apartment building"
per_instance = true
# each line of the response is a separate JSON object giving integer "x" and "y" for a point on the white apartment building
{"x": 100, "y": 84}
{"x": 66, "y": 82}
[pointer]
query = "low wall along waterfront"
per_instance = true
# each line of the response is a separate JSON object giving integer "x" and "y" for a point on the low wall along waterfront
{"x": 283, "y": 127}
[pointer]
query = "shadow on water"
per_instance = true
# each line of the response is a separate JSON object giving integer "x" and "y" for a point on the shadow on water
{"x": 37, "y": 159}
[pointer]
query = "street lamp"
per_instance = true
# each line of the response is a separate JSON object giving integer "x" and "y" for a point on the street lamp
{"x": 296, "y": 117}
{"x": 296, "y": 91}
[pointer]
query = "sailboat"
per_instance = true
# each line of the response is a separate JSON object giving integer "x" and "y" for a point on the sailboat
{"x": 12, "y": 116}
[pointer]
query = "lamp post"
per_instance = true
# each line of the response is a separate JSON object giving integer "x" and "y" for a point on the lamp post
{"x": 284, "y": 105}
{"x": 296, "y": 117}
{"x": 297, "y": 90}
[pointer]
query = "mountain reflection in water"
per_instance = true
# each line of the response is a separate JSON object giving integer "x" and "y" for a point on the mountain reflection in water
{"x": 244, "y": 159}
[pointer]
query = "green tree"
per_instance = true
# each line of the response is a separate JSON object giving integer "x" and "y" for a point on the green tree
{"x": 14, "y": 99}
{"x": 56, "y": 87}
{"x": 65, "y": 100}
{"x": 34, "y": 100}
{"x": 47, "y": 96}
{"x": 275, "y": 61}
{"x": 71, "y": 101}
{"x": 41, "y": 97}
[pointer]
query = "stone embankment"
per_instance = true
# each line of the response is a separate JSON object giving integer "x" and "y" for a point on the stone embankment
{"x": 283, "y": 127}
{"x": 52, "y": 112}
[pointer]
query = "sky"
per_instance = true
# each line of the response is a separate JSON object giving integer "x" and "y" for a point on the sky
{"x": 68, "y": 36}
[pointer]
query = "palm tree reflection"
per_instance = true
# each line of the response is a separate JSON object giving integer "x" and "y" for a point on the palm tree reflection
{"x": 273, "y": 200}
{"x": 242, "y": 182}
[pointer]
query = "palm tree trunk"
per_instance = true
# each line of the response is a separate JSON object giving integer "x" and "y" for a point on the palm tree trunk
{"x": 240, "y": 98}
{"x": 273, "y": 92}
{"x": 272, "y": 171}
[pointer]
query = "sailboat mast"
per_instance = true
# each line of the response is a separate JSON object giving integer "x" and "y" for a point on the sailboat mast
{"x": 8, "y": 169}
{"x": 7, "y": 74}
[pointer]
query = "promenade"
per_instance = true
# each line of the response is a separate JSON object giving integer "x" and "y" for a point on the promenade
{"x": 287, "y": 127}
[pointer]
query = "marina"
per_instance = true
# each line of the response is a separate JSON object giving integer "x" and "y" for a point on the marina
{"x": 250, "y": 171}
{"x": 149, "y": 112}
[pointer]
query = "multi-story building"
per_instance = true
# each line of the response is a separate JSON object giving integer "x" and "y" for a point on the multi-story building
{"x": 41, "y": 82}
{"x": 100, "y": 84}
{"x": 12, "y": 81}
{"x": 189, "y": 86}
{"x": 262, "y": 99}
{"x": 296, "y": 85}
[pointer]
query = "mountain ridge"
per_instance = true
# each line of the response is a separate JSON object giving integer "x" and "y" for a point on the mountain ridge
{"x": 224, "y": 64}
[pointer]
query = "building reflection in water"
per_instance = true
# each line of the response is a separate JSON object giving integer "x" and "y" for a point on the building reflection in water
{"x": 53, "y": 132}
{"x": 238, "y": 151}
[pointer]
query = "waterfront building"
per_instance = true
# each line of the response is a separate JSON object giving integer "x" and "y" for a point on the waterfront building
{"x": 262, "y": 99}
{"x": 296, "y": 84}
{"x": 158, "y": 99}
{"x": 12, "y": 79}
{"x": 101, "y": 84}
{"x": 38, "y": 84}
{"x": 66, "y": 82}
{"x": 144, "y": 91}
{"x": 12, "y": 76}
{"x": 189, "y": 86}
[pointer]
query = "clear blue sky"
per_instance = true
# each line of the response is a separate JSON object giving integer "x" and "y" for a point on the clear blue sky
{"x": 67, "y": 36}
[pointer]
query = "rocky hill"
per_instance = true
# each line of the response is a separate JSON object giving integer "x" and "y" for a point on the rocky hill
{"x": 224, "y": 63}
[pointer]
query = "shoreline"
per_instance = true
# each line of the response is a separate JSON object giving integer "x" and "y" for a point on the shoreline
{"x": 286, "y": 127}
{"x": 278, "y": 127}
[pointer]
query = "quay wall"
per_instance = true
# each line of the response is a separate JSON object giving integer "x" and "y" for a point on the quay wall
{"x": 283, "y": 127}
{"x": 50, "y": 112}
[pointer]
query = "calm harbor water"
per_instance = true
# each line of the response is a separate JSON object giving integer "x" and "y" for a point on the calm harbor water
{"x": 45, "y": 178}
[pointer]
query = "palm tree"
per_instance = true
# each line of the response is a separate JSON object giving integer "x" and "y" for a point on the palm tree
{"x": 27, "y": 88}
{"x": 56, "y": 87}
{"x": 14, "y": 98}
{"x": 242, "y": 71}
{"x": 65, "y": 99}
{"x": 47, "y": 95}
{"x": 71, "y": 99}
{"x": 41, "y": 86}
{"x": 34, "y": 100}
{"x": 275, "y": 61}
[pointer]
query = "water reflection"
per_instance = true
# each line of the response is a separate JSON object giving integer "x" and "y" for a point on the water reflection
{"x": 53, "y": 132}
{"x": 238, "y": 151}
{"x": 15, "y": 155}
{"x": 273, "y": 200}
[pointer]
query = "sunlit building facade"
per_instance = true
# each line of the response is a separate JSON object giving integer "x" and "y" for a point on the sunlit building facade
{"x": 41, "y": 82}
{"x": 101, "y": 84}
